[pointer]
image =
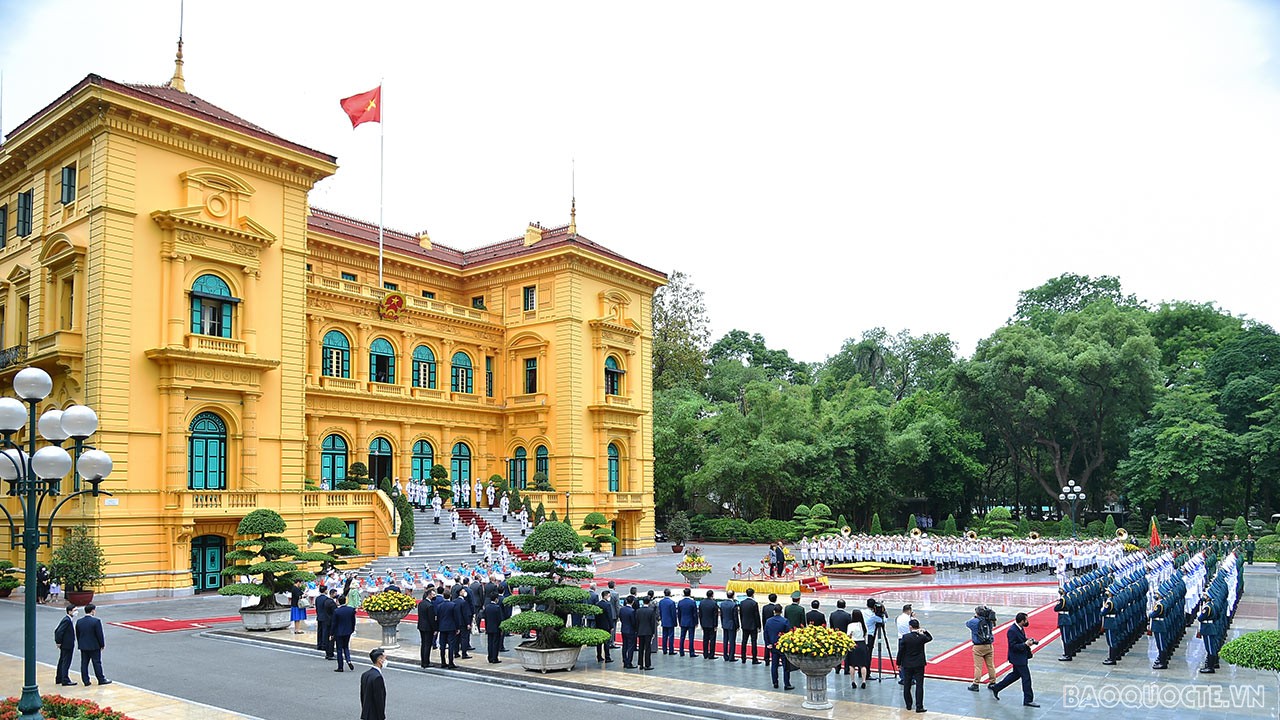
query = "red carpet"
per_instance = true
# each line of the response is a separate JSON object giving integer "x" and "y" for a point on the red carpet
{"x": 957, "y": 663}
{"x": 164, "y": 625}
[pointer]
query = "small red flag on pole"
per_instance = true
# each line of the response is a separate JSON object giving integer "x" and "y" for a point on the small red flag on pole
{"x": 363, "y": 108}
{"x": 1155, "y": 533}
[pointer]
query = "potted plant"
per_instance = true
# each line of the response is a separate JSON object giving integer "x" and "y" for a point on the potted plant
{"x": 440, "y": 482}
{"x": 1259, "y": 650}
{"x": 79, "y": 563}
{"x": 694, "y": 566}
{"x": 273, "y": 558}
{"x": 598, "y": 532}
{"x": 358, "y": 473}
{"x": 388, "y": 608}
{"x": 332, "y": 531}
{"x": 7, "y": 581}
{"x": 553, "y": 578}
{"x": 678, "y": 531}
{"x": 815, "y": 650}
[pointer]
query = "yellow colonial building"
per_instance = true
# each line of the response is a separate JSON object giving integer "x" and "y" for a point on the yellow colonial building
{"x": 160, "y": 260}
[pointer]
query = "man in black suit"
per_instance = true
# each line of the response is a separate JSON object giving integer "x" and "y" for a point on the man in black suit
{"x": 467, "y": 615}
{"x": 427, "y": 626}
{"x": 65, "y": 637}
{"x": 815, "y": 616}
{"x": 493, "y": 633}
{"x": 749, "y": 618}
{"x": 373, "y": 689}
{"x": 1019, "y": 654}
{"x": 448, "y": 620}
{"x": 729, "y": 626}
{"x": 89, "y": 638}
{"x": 605, "y": 621}
{"x": 777, "y": 559}
{"x": 627, "y": 620}
{"x": 344, "y": 626}
{"x": 646, "y": 628}
{"x": 911, "y": 660}
{"x": 709, "y": 619}
{"x": 840, "y": 619}
{"x": 325, "y": 606}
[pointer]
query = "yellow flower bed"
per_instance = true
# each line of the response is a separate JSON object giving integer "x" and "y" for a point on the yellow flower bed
{"x": 387, "y": 601}
{"x": 694, "y": 562}
{"x": 814, "y": 641}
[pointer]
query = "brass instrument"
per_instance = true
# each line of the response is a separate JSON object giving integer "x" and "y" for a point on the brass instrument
{"x": 916, "y": 532}
{"x": 1034, "y": 535}
{"x": 1122, "y": 534}
{"x": 972, "y": 534}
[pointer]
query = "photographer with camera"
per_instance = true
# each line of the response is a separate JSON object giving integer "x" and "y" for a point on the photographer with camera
{"x": 1019, "y": 655}
{"x": 982, "y": 634}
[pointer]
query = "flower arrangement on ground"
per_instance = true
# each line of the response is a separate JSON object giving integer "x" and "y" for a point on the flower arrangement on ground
{"x": 553, "y": 576}
{"x": 56, "y": 707}
{"x": 693, "y": 562}
{"x": 389, "y": 601}
{"x": 814, "y": 641}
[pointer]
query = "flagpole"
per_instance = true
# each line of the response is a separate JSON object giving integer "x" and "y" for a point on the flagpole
{"x": 382, "y": 171}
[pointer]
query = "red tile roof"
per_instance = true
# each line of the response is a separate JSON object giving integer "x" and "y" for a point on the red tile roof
{"x": 347, "y": 228}
{"x": 182, "y": 102}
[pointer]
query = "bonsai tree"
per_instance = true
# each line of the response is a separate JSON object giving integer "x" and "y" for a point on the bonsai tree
{"x": 496, "y": 481}
{"x": 8, "y": 583}
{"x": 279, "y": 557}
{"x": 348, "y": 485}
{"x": 541, "y": 482}
{"x": 875, "y": 524}
{"x": 678, "y": 528}
{"x": 332, "y": 531}
{"x": 598, "y": 532}
{"x": 998, "y": 523}
{"x": 1259, "y": 650}
{"x": 79, "y": 562}
{"x": 440, "y": 482}
{"x": 554, "y": 575}
{"x": 358, "y": 473}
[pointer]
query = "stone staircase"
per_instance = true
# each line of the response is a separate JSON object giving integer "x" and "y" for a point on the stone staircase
{"x": 432, "y": 543}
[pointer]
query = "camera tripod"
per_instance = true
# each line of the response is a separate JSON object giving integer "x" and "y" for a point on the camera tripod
{"x": 881, "y": 642}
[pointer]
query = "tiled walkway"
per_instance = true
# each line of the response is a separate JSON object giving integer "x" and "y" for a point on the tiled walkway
{"x": 134, "y": 702}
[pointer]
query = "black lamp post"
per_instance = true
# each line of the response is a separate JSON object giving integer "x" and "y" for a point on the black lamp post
{"x": 34, "y": 475}
{"x": 1073, "y": 494}
{"x": 566, "y": 509}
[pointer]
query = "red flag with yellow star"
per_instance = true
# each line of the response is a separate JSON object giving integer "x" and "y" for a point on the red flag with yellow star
{"x": 363, "y": 108}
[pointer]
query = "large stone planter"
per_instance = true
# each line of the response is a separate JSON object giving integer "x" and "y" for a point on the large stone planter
{"x": 816, "y": 670}
{"x": 390, "y": 622}
{"x": 273, "y": 619}
{"x": 546, "y": 660}
{"x": 693, "y": 578}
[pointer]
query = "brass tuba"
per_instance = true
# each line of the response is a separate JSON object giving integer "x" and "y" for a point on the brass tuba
{"x": 1122, "y": 534}
{"x": 1034, "y": 535}
{"x": 916, "y": 532}
{"x": 972, "y": 534}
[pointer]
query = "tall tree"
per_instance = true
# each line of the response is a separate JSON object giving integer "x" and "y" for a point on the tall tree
{"x": 1064, "y": 401}
{"x": 1068, "y": 293}
{"x": 680, "y": 334}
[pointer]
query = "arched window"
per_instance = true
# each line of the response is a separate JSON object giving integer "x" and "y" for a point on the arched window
{"x": 424, "y": 367}
{"x": 382, "y": 361}
{"x": 517, "y": 470}
{"x": 461, "y": 373}
{"x": 460, "y": 471}
{"x": 333, "y": 461}
{"x": 541, "y": 461}
{"x": 379, "y": 460}
{"x": 612, "y": 376}
{"x": 423, "y": 458}
{"x": 335, "y": 355}
{"x": 211, "y": 306}
{"x": 613, "y": 468}
{"x": 207, "y": 453}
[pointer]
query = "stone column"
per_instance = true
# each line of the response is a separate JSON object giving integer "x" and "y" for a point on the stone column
{"x": 249, "y": 311}
{"x": 312, "y": 461}
{"x": 178, "y": 311}
{"x": 175, "y": 442}
{"x": 314, "y": 351}
{"x": 249, "y": 440}
{"x": 361, "y": 352}
{"x": 406, "y": 452}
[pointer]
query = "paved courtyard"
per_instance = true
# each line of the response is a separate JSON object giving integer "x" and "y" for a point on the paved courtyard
{"x": 281, "y": 676}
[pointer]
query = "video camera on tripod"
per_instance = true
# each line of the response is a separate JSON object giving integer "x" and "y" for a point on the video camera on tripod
{"x": 878, "y": 608}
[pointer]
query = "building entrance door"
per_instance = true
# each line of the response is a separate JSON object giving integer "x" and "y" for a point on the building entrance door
{"x": 206, "y": 562}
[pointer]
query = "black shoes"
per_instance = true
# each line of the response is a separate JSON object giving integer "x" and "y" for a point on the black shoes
{"x": 68, "y": 683}
{"x": 339, "y": 670}
{"x": 103, "y": 682}
{"x": 1108, "y": 661}
{"x": 920, "y": 710}
{"x": 994, "y": 692}
{"x": 1030, "y": 704}
{"x": 351, "y": 665}
{"x": 973, "y": 687}
{"x": 789, "y": 687}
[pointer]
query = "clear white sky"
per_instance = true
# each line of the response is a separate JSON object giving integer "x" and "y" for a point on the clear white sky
{"x": 818, "y": 168}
